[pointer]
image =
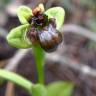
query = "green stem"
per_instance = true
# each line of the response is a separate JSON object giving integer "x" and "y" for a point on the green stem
{"x": 19, "y": 80}
{"x": 40, "y": 72}
{"x": 39, "y": 59}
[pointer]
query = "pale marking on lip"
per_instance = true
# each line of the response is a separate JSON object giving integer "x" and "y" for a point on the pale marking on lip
{"x": 52, "y": 31}
{"x": 45, "y": 36}
{"x": 48, "y": 34}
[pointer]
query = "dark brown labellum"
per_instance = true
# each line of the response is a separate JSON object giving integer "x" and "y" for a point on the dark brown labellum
{"x": 49, "y": 38}
{"x": 43, "y": 32}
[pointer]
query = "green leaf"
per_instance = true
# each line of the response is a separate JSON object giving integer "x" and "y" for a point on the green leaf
{"x": 39, "y": 90}
{"x": 60, "y": 88}
{"x": 40, "y": 60}
{"x": 24, "y": 13}
{"x": 58, "y": 13}
{"x": 16, "y": 37}
{"x": 17, "y": 79}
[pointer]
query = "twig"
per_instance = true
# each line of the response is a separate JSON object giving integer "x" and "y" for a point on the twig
{"x": 9, "y": 89}
{"x": 49, "y": 3}
{"x": 3, "y": 32}
{"x": 80, "y": 67}
{"x": 71, "y": 28}
{"x": 68, "y": 5}
{"x": 13, "y": 63}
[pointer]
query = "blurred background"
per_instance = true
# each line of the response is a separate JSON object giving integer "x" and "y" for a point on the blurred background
{"x": 75, "y": 59}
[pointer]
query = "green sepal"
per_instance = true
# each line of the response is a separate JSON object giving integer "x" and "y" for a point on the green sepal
{"x": 17, "y": 37}
{"x": 24, "y": 13}
{"x": 58, "y": 13}
{"x": 60, "y": 88}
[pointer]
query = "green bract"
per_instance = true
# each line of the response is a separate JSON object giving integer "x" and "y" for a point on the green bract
{"x": 39, "y": 90}
{"x": 60, "y": 88}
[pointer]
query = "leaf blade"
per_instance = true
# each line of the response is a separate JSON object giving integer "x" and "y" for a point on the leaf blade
{"x": 60, "y": 88}
{"x": 17, "y": 79}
